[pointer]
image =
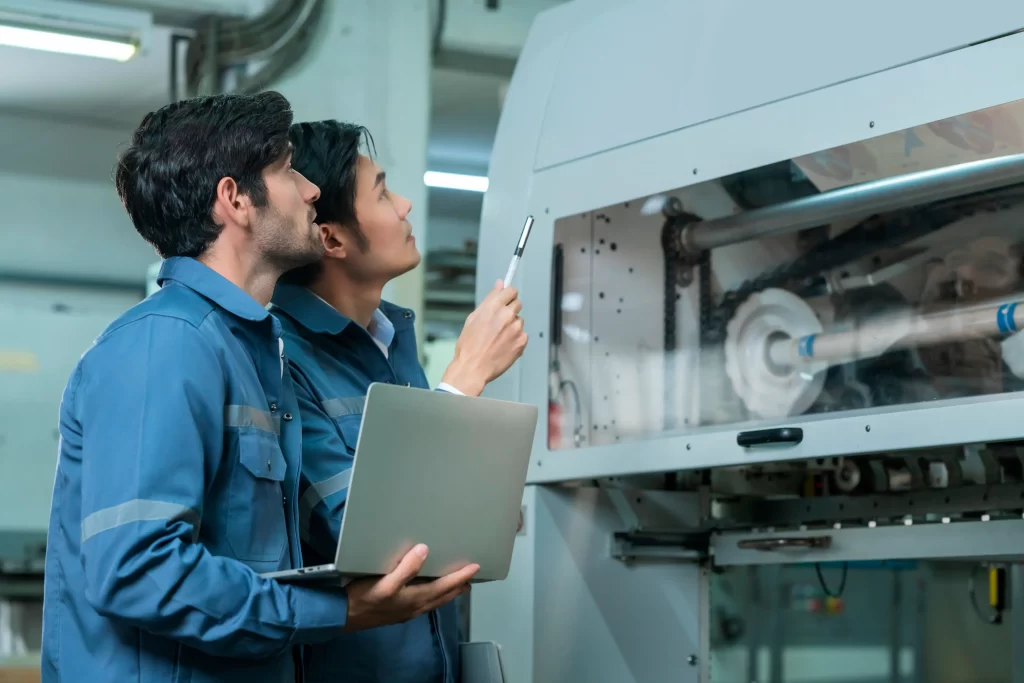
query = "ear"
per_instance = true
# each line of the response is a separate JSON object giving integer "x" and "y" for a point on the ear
{"x": 335, "y": 240}
{"x": 230, "y": 205}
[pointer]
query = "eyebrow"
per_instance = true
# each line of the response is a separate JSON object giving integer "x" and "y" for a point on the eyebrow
{"x": 380, "y": 178}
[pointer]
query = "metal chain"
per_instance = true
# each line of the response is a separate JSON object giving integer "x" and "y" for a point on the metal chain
{"x": 865, "y": 238}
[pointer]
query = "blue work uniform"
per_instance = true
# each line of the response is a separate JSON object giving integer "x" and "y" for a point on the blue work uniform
{"x": 333, "y": 362}
{"x": 177, "y": 484}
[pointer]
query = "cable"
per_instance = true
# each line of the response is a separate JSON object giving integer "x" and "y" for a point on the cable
{"x": 442, "y": 19}
{"x": 577, "y": 421}
{"x": 996, "y": 616}
{"x": 824, "y": 587}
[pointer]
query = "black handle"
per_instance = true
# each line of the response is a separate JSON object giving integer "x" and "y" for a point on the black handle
{"x": 781, "y": 436}
{"x": 557, "y": 265}
{"x": 786, "y": 543}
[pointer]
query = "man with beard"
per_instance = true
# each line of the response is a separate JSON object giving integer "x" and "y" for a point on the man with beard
{"x": 180, "y": 449}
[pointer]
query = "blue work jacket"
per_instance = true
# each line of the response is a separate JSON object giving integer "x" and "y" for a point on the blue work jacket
{"x": 176, "y": 486}
{"x": 333, "y": 362}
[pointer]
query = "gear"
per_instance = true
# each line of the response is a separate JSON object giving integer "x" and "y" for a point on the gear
{"x": 767, "y": 389}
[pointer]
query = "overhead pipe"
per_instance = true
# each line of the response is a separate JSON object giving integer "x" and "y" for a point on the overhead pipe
{"x": 279, "y": 37}
{"x": 877, "y": 196}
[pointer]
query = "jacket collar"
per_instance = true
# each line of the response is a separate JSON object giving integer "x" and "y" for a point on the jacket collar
{"x": 212, "y": 285}
{"x": 317, "y": 316}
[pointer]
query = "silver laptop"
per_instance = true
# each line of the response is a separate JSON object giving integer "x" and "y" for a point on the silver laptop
{"x": 434, "y": 468}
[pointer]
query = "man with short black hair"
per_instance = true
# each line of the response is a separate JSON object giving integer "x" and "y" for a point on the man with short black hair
{"x": 343, "y": 338}
{"x": 178, "y": 471}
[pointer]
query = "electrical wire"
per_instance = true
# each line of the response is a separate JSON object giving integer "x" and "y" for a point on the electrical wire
{"x": 577, "y": 421}
{"x": 442, "y": 19}
{"x": 995, "y": 617}
{"x": 824, "y": 587}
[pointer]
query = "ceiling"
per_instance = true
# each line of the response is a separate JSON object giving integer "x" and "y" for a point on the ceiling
{"x": 464, "y": 118}
{"x": 464, "y": 113}
{"x": 86, "y": 89}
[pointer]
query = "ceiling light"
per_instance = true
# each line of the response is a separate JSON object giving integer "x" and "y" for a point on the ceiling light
{"x": 456, "y": 181}
{"x": 13, "y": 36}
{"x": 74, "y": 28}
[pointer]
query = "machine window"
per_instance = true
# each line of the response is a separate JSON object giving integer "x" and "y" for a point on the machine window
{"x": 886, "y": 272}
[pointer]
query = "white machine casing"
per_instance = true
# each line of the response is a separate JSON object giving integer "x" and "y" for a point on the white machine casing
{"x": 623, "y": 117}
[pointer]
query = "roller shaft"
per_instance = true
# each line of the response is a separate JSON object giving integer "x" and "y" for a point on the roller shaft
{"x": 888, "y": 334}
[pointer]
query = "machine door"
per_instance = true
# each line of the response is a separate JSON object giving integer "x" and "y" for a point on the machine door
{"x": 860, "y": 299}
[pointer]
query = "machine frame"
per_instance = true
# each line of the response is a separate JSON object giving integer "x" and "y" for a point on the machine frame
{"x": 610, "y": 577}
{"x": 836, "y": 115}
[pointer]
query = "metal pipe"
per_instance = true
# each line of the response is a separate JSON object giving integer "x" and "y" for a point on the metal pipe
{"x": 877, "y": 196}
{"x": 880, "y": 336}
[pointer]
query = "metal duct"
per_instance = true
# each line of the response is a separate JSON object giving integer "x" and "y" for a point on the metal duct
{"x": 279, "y": 36}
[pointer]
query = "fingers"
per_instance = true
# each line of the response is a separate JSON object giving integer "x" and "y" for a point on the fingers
{"x": 510, "y": 313}
{"x": 499, "y": 285}
{"x": 453, "y": 581}
{"x": 406, "y": 570}
{"x": 507, "y": 295}
{"x": 445, "y": 599}
{"x": 516, "y": 306}
{"x": 498, "y": 297}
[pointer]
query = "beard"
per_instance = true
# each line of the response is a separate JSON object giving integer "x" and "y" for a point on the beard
{"x": 284, "y": 243}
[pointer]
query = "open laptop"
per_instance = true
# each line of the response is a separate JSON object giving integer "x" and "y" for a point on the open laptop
{"x": 434, "y": 468}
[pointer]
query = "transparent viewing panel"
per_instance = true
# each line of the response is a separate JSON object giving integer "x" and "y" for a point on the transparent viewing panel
{"x": 881, "y": 273}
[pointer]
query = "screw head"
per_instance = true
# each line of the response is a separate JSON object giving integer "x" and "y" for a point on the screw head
{"x": 692, "y": 660}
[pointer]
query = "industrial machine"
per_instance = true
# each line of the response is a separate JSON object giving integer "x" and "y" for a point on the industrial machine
{"x": 773, "y": 293}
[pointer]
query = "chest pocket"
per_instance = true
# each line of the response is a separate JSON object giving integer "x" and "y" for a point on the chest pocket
{"x": 256, "y": 526}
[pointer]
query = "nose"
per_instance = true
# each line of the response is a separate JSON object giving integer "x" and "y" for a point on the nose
{"x": 310, "y": 192}
{"x": 404, "y": 207}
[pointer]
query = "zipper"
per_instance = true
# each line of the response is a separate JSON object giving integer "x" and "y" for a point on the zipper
{"x": 435, "y": 623}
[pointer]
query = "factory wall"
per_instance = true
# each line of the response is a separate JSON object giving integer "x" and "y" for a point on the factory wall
{"x": 71, "y": 262}
{"x": 59, "y": 213}
{"x": 452, "y": 231}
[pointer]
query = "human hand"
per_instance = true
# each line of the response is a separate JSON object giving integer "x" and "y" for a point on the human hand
{"x": 491, "y": 341}
{"x": 381, "y": 601}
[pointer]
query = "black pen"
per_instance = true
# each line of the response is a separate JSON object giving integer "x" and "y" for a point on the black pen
{"x": 518, "y": 254}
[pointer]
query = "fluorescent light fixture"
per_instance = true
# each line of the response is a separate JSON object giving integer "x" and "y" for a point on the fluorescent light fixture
{"x": 65, "y": 43}
{"x": 74, "y": 28}
{"x": 456, "y": 181}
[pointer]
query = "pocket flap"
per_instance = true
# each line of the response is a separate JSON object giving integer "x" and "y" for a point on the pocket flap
{"x": 262, "y": 457}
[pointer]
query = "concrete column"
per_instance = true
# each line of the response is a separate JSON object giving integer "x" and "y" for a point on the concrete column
{"x": 371, "y": 65}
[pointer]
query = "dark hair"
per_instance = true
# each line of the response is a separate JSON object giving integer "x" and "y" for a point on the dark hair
{"x": 326, "y": 153}
{"x": 167, "y": 179}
